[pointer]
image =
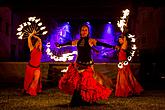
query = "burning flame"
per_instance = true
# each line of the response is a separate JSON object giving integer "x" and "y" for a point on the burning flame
{"x": 130, "y": 36}
{"x": 125, "y": 13}
{"x": 22, "y": 32}
{"x": 28, "y": 23}
{"x": 20, "y": 37}
{"x": 129, "y": 58}
{"x": 32, "y": 18}
{"x": 134, "y": 47}
{"x": 24, "y": 24}
{"x": 39, "y": 24}
{"x": 42, "y": 28}
{"x": 45, "y": 32}
{"x": 37, "y": 20}
{"x": 64, "y": 57}
{"x": 19, "y": 33}
{"x": 123, "y": 22}
{"x": 65, "y": 70}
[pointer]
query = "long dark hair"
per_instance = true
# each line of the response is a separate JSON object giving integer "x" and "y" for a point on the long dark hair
{"x": 118, "y": 43}
{"x": 34, "y": 40}
{"x": 128, "y": 43}
{"x": 84, "y": 25}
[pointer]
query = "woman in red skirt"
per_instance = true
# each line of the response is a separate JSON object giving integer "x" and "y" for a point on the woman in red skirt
{"x": 81, "y": 81}
{"x": 126, "y": 85}
{"x": 32, "y": 80}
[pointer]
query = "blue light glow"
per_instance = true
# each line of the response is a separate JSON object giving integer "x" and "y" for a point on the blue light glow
{"x": 107, "y": 36}
{"x": 62, "y": 34}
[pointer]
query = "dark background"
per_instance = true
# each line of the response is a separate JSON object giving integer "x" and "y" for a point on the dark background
{"x": 152, "y": 61}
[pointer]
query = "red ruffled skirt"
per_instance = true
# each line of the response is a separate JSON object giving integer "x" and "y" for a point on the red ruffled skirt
{"x": 127, "y": 85}
{"x": 90, "y": 89}
{"x": 29, "y": 78}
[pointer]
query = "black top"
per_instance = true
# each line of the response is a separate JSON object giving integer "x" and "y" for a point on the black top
{"x": 84, "y": 52}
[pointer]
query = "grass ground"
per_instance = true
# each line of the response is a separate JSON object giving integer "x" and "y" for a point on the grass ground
{"x": 53, "y": 99}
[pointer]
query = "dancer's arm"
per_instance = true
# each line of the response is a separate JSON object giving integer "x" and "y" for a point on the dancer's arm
{"x": 95, "y": 50}
{"x": 98, "y": 43}
{"x": 39, "y": 40}
{"x": 124, "y": 45}
{"x": 70, "y": 43}
{"x": 30, "y": 45}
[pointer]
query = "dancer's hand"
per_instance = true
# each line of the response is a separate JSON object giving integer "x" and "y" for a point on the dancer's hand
{"x": 95, "y": 50}
{"x": 57, "y": 45}
{"x": 30, "y": 34}
{"x": 33, "y": 33}
{"x": 117, "y": 47}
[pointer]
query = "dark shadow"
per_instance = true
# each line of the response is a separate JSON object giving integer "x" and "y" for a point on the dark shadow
{"x": 54, "y": 74}
{"x": 83, "y": 106}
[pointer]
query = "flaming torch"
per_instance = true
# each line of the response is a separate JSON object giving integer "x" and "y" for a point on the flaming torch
{"x": 33, "y": 23}
{"x": 122, "y": 24}
{"x": 64, "y": 57}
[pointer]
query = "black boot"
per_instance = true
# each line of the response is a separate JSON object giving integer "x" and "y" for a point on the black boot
{"x": 77, "y": 100}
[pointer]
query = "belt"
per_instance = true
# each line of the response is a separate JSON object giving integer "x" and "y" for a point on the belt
{"x": 33, "y": 65}
{"x": 85, "y": 63}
